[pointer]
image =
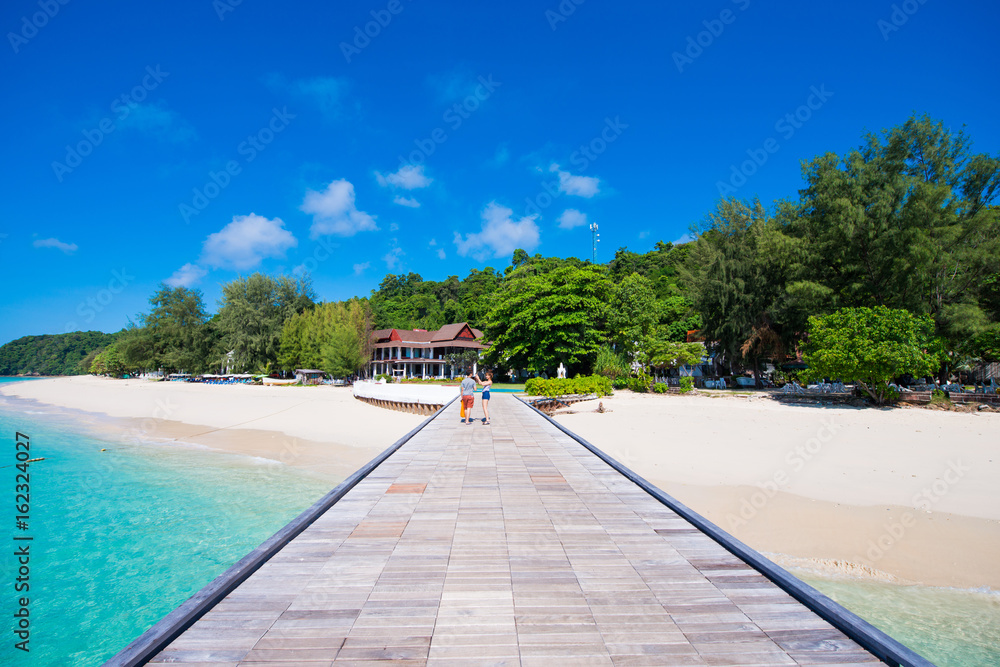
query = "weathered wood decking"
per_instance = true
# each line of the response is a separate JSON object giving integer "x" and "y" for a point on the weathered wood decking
{"x": 503, "y": 545}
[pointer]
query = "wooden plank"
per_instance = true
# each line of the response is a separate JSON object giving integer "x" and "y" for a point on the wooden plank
{"x": 502, "y": 544}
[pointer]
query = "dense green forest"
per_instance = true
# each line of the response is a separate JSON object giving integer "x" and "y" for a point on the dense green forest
{"x": 906, "y": 223}
{"x": 56, "y": 354}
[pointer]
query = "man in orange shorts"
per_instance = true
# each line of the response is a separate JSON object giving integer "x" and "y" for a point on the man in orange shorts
{"x": 468, "y": 396}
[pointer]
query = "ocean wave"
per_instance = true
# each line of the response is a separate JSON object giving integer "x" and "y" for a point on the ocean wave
{"x": 835, "y": 568}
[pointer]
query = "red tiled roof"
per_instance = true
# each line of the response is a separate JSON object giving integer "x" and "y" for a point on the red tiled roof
{"x": 447, "y": 334}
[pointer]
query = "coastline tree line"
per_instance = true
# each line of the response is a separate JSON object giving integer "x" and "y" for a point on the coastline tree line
{"x": 904, "y": 226}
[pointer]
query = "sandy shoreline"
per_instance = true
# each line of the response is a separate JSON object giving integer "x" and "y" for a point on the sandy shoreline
{"x": 904, "y": 494}
{"x": 320, "y": 429}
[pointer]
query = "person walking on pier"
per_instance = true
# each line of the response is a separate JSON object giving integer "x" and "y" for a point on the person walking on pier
{"x": 468, "y": 396}
{"x": 487, "y": 383}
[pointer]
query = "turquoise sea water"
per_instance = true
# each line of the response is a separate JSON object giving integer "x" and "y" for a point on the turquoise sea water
{"x": 950, "y": 627}
{"x": 121, "y": 537}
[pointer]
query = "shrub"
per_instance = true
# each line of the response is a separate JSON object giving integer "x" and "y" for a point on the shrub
{"x": 611, "y": 364}
{"x": 939, "y": 397}
{"x": 660, "y": 387}
{"x": 640, "y": 384}
{"x": 591, "y": 384}
{"x": 687, "y": 384}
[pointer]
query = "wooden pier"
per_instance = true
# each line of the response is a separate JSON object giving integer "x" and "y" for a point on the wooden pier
{"x": 508, "y": 544}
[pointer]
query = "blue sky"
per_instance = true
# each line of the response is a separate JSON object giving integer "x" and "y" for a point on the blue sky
{"x": 195, "y": 141}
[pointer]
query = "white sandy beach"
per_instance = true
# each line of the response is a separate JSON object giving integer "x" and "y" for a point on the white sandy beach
{"x": 323, "y": 429}
{"x": 907, "y": 494}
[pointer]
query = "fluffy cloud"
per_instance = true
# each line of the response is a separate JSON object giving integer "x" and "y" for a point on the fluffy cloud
{"x": 360, "y": 268}
{"x": 442, "y": 254}
{"x": 572, "y": 218}
{"x": 67, "y": 248}
{"x": 406, "y": 201}
{"x": 393, "y": 258}
{"x": 334, "y": 212}
{"x": 581, "y": 186}
{"x": 409, "y": 177}
{"x": 500, "y": 234}
{"x": 186, "y": 276}
{"x": 245, "y": 241}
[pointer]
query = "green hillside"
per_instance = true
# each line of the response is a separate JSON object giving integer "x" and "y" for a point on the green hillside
{"x": 51, "y": 354}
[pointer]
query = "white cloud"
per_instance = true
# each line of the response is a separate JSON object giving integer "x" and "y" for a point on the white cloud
{"x": 442, "y": 254}
{"x": 334, "y": 212}
{"x": 360, "y": 268}
{"x": 644, "y": 234}
{"x": 159, "y": 121}
{"x": 581, "y": 186}
{"x": 433, "y": 242}
{"x": 393, "y": 258}
{"x": 409, "y": 177}
{"x": 500, "y": 234}
{"x": 572, "y": 218}
{"x": 67, "y": 248}
{"x": 186, "y": 276}
{"x": 687, "y": 238}
{"x": 245, "y": 241}
{"x": 406, "y": 201}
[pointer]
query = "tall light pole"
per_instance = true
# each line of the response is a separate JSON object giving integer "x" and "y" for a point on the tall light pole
{"x": 595, "y": 238}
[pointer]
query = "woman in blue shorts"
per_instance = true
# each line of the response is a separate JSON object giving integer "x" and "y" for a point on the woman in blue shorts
{"x": 487, "y": 383}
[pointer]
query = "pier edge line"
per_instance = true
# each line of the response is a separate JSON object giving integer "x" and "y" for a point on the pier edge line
{"x": 878, "y": 643}
{"x": 155, "y": 639}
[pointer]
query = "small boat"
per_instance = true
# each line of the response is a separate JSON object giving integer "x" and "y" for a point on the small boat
{"x": 278, "y": 382}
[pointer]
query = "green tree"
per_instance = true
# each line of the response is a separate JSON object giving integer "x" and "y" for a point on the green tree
{"x": 539, "y": 319}
{"x": 252, "y": 313}
{"x": 737, "y": 274}
{"x": 633, "y": 313}
{"x": 666, "y": 354}
{"x": 611, "y": 363}
{"x": 905, "y": 221}
{"x": 174, "y": 336}
{"x": 870, "y": 346}
{"x": 335, "y": 337}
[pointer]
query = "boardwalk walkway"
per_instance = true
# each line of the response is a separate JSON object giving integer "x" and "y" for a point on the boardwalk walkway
{"x": 503, "y": 545}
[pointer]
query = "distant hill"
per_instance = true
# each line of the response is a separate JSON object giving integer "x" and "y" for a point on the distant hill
{"x": 51, "y": 354}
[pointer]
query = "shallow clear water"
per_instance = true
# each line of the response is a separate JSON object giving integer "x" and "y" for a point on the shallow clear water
{"x": 122, "y": 536}
{"x": 950, "y": 627}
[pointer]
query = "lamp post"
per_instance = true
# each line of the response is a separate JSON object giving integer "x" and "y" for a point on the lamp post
{"x": 595, "y": 238}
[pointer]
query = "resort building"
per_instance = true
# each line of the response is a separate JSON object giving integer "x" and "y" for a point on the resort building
{"x": 418, "y": 353}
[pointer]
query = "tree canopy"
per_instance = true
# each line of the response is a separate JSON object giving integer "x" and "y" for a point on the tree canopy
{"x": 870, "y": 346}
